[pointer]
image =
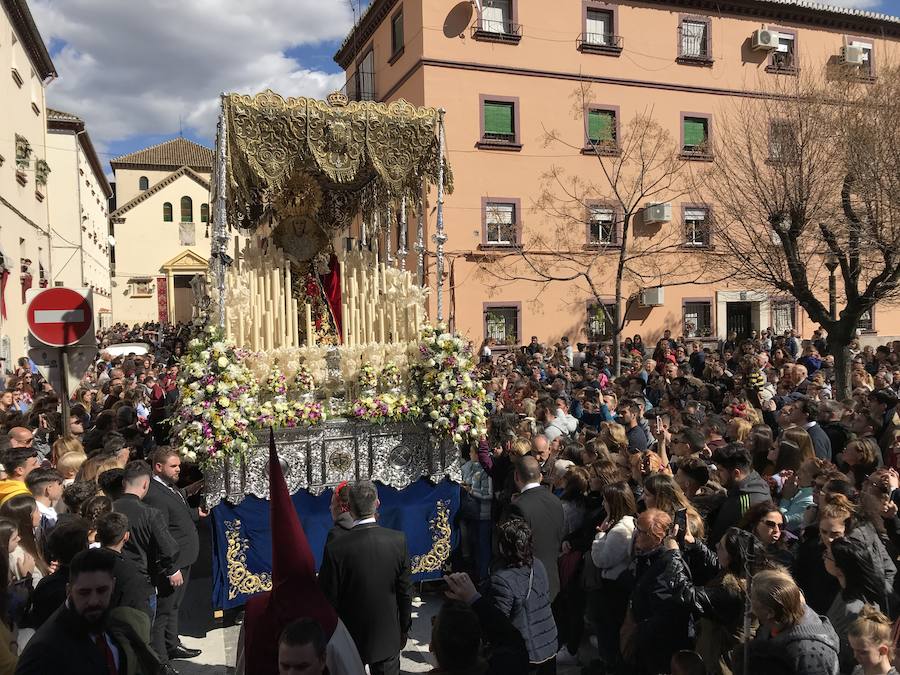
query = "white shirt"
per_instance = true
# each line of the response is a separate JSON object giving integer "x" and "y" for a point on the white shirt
{"x": 47, "y": 512}
{"x": 364, "y": 521}
{"x": 528, "y": 486}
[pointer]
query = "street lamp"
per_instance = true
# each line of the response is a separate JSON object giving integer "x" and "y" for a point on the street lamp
{"x": 831, "y": 264}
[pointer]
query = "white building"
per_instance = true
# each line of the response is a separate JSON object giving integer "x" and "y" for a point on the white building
{"x": 161, "y": 230}
{"x": 25, "y": 70}
{"x": 79, "y": 217}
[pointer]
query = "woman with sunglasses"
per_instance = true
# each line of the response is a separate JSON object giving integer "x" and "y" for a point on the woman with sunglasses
{"x": 766, "y": 522}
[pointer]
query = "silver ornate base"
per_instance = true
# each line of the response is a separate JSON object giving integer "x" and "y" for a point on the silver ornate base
{"x": 396, "y": 454}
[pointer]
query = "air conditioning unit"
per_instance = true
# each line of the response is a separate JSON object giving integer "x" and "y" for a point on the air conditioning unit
{"x": 657, "y": 213}
{"x": 852, "y": 55}
{"x": 764, "y": 39}
{"x": 653, "y": 297}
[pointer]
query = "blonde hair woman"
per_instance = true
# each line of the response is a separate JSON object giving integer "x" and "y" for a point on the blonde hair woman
{"x": 791, "y": 636}
{"x": 613, "y": 434}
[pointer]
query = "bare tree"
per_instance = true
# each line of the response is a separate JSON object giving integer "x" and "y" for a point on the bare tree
{"x": 593, "y": 233}
{"x": 805, "y": 178}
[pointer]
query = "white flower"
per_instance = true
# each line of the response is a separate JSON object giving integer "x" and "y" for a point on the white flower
{"x": 223, "y": 362}
{"x": 204, "y": 355}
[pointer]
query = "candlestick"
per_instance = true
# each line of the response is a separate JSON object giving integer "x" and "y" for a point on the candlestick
{"x": 309, "y": 325}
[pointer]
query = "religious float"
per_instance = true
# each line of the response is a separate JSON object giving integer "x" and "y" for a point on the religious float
{"x": 318, "y": 330}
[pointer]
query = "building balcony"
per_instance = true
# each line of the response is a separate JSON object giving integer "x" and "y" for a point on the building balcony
{"x": 599, "y": 43}
{"x": 505, "y": 32}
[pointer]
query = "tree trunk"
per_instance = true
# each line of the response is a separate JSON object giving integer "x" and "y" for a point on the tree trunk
{"x": 838, "y": 346}
{"x": 617, "y": 330}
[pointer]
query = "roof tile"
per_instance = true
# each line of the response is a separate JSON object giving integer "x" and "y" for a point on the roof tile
{"x": 175, "y": 153}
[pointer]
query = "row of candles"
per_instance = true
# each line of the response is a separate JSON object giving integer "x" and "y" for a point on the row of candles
{"x": 369, "y": 314}
{"x": 272, "y": 319}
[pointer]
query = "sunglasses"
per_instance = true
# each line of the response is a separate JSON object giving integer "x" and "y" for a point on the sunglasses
{"x": 771, "y": 524}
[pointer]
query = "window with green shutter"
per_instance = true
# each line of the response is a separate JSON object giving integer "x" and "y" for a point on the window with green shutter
{"x": 602, "y": 126}
{"x": 696, "y": 132}
{"x": 499, "y": 121}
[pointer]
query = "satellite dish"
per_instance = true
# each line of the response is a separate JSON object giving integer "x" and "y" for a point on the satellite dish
{"x": 459, "y": 19}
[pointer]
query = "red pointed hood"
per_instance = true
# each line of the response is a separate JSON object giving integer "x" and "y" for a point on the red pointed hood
{"x": 295, "y": 592}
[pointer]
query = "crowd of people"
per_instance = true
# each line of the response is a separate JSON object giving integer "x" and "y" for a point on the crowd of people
{"x": 716, "y": 508}
{"x": 101, "y": 538}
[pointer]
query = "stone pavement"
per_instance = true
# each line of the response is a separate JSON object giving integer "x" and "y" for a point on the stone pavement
{"x": 219, "y": 645}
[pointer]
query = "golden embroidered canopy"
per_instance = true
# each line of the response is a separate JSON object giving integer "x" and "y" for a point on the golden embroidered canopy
{"x": 326, "y": 160}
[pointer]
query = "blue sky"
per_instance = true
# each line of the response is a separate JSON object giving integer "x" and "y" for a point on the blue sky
{"x": 137, "y": 71}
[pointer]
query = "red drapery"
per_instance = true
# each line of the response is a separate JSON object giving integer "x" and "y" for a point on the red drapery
{"x": 26, "y": 284}
{"x": 331, "y": 286}
{"x": 4, "y": 277}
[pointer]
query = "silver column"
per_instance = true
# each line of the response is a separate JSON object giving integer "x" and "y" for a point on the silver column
{"x": 219, "y": 240}
{"x": 440, "y": 237}
{"x": 402, "y": 251}
{"x": 420, "y": 238}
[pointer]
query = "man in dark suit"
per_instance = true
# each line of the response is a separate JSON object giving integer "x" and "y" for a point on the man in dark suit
{"x": 543, "y": 512}
{"x": 132, "y": 589}
{"x": 149, "y": 545}
{"x": 365, "y": 575}
{"x": 82, "y": 637}
{"x": 181, "y": 521}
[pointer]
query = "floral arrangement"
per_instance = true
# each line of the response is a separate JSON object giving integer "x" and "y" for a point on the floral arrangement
{"x": 451, "y": 398}
{"x": 390, "y": 376}
{"x": 384, "y": 408}
{"x": 303, "y": 380}
{"x": 217, "y": 391}
{"x": 222, "y": 386}
{"x": 276, "y": 382}
{"x": 290, "y": 414}
{"x": 368, "y": 377}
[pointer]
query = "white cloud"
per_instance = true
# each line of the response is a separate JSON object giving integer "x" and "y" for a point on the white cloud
{"x": 132, "y": 68}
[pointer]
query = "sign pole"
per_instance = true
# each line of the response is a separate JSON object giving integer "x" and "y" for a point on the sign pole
{"x": 64, "y": 394}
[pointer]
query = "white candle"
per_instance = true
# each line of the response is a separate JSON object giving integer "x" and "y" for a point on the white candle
{"x": 394, "y": 335}
{"x": 310, "y": 338}
{"x": 344, "y": 320}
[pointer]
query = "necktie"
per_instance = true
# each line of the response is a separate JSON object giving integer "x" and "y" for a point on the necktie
{"x": 103, "y": 646}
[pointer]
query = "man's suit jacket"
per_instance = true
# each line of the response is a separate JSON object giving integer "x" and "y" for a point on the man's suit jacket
{"x": 132, "y": 589}
{"x": 365, "y": 575}
{"x": 543, "y": 512}
{"x": 63, "y": 645}
{"x": 180, "y": 519}
{"x": 150, "y": 545}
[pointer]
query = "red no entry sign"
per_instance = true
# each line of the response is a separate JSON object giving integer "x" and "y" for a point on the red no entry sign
{"x": 60, "y": 317}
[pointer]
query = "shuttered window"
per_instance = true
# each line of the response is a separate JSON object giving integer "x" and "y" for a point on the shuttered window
{"x": 696, "y": 132}
{"x": 499, "y": 121}
{"x": 602, "y": 126}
